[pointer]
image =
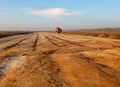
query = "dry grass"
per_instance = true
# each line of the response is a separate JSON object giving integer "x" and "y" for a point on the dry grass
{"x": 34, "y": 69}
{"x": 103, "y": 33}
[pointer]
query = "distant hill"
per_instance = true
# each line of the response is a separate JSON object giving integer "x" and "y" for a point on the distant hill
{"x": 108, "y": 29}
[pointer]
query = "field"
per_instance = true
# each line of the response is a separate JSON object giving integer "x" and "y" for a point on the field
{"x": 112, "y": 33}
{"x": 10, "y": 33}
{"x": 69, "y": 59}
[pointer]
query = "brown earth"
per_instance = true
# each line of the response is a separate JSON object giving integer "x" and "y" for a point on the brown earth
{"x": 11, "y": 33}
{"x": 59, "y": 60}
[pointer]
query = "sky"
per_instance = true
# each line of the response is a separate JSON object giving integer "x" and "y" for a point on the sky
{"x": 44, "y": 15}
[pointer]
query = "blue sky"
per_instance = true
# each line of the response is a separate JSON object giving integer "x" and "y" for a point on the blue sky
{"x": 68, "y": 14}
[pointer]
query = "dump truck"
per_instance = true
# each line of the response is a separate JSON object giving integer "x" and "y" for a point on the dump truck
{"x": 58, "y": 30}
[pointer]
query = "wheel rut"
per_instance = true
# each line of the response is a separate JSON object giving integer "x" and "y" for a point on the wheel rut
{"x": 50, "y": 60}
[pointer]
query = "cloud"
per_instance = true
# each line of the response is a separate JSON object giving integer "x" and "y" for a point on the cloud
{"x": 54, "y": 12}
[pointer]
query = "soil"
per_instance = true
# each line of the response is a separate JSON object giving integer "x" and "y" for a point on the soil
{"x": 46, "y": 59}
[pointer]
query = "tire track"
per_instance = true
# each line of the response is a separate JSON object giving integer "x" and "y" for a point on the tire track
{"x": 7, "y": 39}
{"x": 45, "y": 43}
{"x": 51, "y": 60}
{"x": 31, "y": 42}
{"x": 35, "y": 43}
{"x": 68, "y": 41}
{"x": 104, "y": 69}
{"x": 40, "y": 66}
{"x": 83, "y": 44}
{"x": 12, "y": 43}
{"x": 57, "y": 42}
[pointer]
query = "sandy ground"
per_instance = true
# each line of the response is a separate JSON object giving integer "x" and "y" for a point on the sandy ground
{"x": 59, "y": 60}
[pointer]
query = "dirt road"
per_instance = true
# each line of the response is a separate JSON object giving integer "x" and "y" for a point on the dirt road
{"x": 59, "y": 60}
